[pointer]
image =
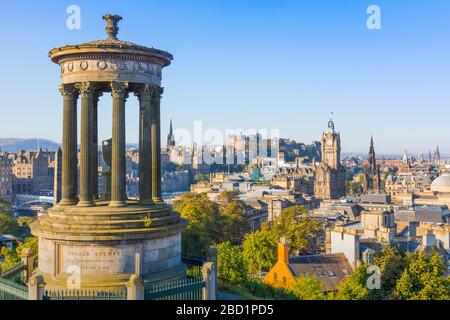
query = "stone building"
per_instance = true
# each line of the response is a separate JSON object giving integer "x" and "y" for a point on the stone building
{"x": 352, "y": 239}
{"x": 33, "y": 171}
{"x": 330, "y": 174}
{"x": 6, "y": 176}
{"x": 176, "y": 181}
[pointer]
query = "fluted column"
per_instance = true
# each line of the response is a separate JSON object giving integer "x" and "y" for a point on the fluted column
{"x": 86, "y": 94}
{"x": 144, "y": 95}
{"x": 118, "y": 182}
{"x": 69, "y": 155}
{"x": 94, "y": 175}
{"x": 156, "y": 145}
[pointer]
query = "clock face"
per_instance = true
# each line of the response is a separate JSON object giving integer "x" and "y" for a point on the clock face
{"x": 329, "y": 142}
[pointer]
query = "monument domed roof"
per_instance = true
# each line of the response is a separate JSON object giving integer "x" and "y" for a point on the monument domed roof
{"x": 441, "y": 184}
{"x": 112, "y": 45}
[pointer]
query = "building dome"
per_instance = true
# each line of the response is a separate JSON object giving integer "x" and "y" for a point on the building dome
{"x": 441, "y": 184}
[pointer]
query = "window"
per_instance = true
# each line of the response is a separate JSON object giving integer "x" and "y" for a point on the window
{"x": 331, "y": 274}
{"x": 275, "y": 278}
{"x": 345, "y": 271}
{"x": 284, "y": 281}
{"x": 320, "y": 273}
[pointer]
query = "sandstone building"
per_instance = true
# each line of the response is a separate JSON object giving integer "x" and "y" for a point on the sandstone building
{"x": 330, "y": 174}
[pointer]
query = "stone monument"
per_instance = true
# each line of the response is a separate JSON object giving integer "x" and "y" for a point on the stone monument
{"x": 104, "y": 241}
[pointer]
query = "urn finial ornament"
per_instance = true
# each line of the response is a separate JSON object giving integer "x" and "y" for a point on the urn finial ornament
{"x": 111, "y": 25}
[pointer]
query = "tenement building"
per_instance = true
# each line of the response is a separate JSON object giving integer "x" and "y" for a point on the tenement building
{"x": 329, "y": 173}
{"x": 107, "y": 239}
{"x": 33, "y": 171}
{"x": 6, "y": 176}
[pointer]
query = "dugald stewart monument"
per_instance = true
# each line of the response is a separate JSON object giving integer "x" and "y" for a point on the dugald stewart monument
{"x": 100, "y": 234}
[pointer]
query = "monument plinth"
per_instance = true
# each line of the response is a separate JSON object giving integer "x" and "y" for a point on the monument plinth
{"x": 107, "y": 239}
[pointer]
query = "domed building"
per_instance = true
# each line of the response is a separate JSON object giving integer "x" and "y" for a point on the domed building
{"x": 441, "y": 185}
{"x": 439, "y": 194}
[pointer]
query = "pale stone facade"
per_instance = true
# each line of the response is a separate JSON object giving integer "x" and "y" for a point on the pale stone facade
{"x": 329, "y": 174}
{"x": 6, "y": 176}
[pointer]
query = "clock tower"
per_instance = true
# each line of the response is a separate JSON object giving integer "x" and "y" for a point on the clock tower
{"x": 331, "y": 147}
{"x": 329, "y": 175}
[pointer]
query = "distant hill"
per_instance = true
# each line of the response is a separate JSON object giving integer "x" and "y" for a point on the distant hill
{"x": 16, "y": 144}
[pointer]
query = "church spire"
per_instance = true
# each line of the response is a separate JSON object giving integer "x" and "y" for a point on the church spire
{"x": 372, "y": 158}
{"x": 170, "y": 137}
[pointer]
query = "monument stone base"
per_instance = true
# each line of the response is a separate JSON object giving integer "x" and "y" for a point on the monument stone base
{"x": 101, "y": 247}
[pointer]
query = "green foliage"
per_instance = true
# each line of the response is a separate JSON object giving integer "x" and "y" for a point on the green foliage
{"x": 235, "y": 222}
{"x": 255, "y": 289}
{"x": 231, "y": 264}
{"x": 259, "y": 250}
{"x": 8, "y": 225}
{"x": 354, "y": 188}
{"x": 227, "y": 196}
{"x": 391, "y": 262}
{"x": 26, "y": 221}
{"x": 354, "y": 287}
{"x": 13, "y": 257}
{"x": 416, "y": 276}
{"x": 424, "y": 278}
{"x": 205, "y": 223}
{"x": 5, "y": 206}
{"x": 299, "y": 229}
{"x": 195, "y": 241}
{"x": 210, "y": 223}
{"x": 308, "y": 288}
{"x": 201, "y": 177}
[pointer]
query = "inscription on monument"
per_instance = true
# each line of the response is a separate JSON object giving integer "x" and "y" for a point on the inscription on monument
{"x": 94, "y": 260}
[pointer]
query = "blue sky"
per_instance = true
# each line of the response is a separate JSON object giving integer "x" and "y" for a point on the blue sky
{"x": 251, "y": 64}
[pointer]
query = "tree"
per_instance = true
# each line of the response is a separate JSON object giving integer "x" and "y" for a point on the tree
{"x": 424, "y": 278}
{"x": 307, "y": 288}
{"x": 195, "y": 241}
{"x": 201, "y": 177}
{"x": 5, "y": 206}
{"x": 299, "y": 229}
{"x": 13, "y": 257}
{"x": 354, "y": 287}
{"x": 213, "y": 224}
{"x": 8, "y": 225}
{"x": 205, "y": 222}
{"x": 259, "y": 250}
{"x": 236, "y": 225}
{"x": 231, "y": 265}
{"x": 226, "y": 197}
{"x": 391, "y": 262}
{"x": 354, "y": 188}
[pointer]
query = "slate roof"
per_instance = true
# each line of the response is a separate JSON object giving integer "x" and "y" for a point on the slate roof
{"x": 330, "y": 269}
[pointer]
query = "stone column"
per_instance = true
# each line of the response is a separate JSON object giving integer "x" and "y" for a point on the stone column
{"x": 118, "y": 187}
{"x": 144, "y": 95}
{"x": 69, "y": 156}
{"x": 156, "y": 145}
{"x": 86, "y": 94}
{"x": 95, "y": 192}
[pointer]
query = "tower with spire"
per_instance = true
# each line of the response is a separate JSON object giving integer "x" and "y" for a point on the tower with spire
{"x": 170, "y": 138}
{"x": 372, "y": 181}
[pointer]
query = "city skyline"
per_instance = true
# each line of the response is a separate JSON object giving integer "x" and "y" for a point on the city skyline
{"x": 330, "y": 62}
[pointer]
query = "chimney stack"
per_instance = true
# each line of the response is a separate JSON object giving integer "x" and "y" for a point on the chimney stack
{"x": 283, "y": 251}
